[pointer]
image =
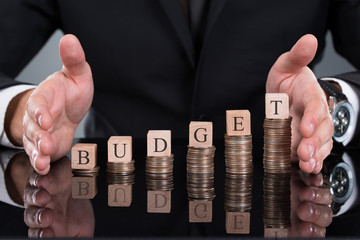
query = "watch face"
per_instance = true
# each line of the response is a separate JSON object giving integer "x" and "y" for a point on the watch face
{"x": 341, "y": 182}
{"x": 343, "y": 121}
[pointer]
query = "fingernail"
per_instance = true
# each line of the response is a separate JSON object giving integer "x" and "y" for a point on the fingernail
{"x": 311, "y": 211}
{"x": 39, "y": 120}
{"x": 312, "y": 163}
{"x": 33, "y": 196}
{"x": 38, "y": 144}
{"x": 311, "y": 126}
{"x": 41, "y": 233}
{"x": 35, "y": 154}
{"x": 34, "y": 180}
{"x": 310, "y": 150}
{"x": 38, "y": 217}
{"x": 312, "y": 195}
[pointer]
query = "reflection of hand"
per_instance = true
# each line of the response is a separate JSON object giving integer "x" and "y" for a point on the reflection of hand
{"x": 310, "y": 210}
{"x": 50, "y": 210}
{"x": 56, "y": 107}
{"x": 312, "y": 128}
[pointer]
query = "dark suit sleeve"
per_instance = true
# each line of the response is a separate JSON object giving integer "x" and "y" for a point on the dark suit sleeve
{"x": 25, "y": 25}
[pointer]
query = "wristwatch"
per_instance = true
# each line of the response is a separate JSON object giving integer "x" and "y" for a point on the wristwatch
{"x": 342, "y": 112}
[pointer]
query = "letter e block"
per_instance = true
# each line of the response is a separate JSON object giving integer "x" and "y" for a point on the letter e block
{"x": 83, "y": 156}
{"x": 119, "y": 195}
{"x": 200, "y": 134}
{"x": 158, "y": 201}
{"x": 238, "y": 222}
{"x": 277, "y": 105}
{"x": 238, "y": 122}
{"x": 276, "y": 232}
{"x": 200, "y": 211}
{"x": 120, "y": 149}
{"x": 84, "y": 187}
{"x": 159, "y": 143}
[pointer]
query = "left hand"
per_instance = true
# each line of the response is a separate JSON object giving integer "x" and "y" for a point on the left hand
{"x": 312, "y": 128}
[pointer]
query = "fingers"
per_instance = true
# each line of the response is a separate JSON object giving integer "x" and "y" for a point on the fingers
{"x": 40, "y": 162}
{"x": 316, "y": 195}
{"x": 320, "y": 215}
{"x": 37, "y": 217}
{"x": 307, "y": 229}
{"x": 40, "y": 233}
{"x": 36, "y": 197}
{"x": 73, "y": 57}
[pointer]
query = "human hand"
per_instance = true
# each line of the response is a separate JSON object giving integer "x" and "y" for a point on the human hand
{"x": 310, "y": 205}
{"x": 312, "y": 128}
{"x": 56, "y": 107}
{"x": 50, "y": 210}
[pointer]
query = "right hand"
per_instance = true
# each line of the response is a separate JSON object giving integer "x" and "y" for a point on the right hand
{"x": 56, "y": 107}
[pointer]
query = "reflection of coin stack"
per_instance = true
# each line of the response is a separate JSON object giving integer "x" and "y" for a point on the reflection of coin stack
{"x": 277, "y": 164}
{"x": 83, "y": 164}
{"x": 120, "y": 171}
{"x": 200, "y": 172}
{"x": 159, "y": 171}
{"x": 239, "y": 171}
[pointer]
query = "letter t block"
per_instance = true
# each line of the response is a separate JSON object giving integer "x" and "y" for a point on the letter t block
{"x": 83, "y": 156}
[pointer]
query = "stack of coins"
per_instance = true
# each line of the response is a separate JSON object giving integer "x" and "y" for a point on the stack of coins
{"x": 121, "y": 172}
{"x": 238, "y": 192}
{"x": 277, "y": 200}
{"x": 238, "y": 154}
{"x": 159, "y": 173}
{"x": 200, "y": 173}
{"x": 277, "y": 145}
{"x": 86, "y": 172}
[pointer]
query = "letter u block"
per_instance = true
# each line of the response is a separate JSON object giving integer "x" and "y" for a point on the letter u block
{"x": 83, "y": 156}
{"x": 120, "y": 149}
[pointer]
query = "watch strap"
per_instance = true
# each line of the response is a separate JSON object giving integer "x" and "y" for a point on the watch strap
{"x": 331, "y": 90}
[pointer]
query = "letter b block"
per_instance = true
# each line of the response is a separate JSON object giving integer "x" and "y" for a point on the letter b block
{"x": 83, "y": 156}
{"x": 159, "y": 143}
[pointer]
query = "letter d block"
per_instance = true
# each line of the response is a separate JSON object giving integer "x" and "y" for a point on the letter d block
{"x": 200, "y": 134}
{"x": 159, "y": 143}
{"x": 83, "y": 156}
{"x": 120, "y": 149}
{"x": 158, "y": 201}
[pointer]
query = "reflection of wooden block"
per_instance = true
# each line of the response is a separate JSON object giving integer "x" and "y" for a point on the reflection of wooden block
{"x": 201, "y": 134}
{"x": 238, "y": 222}
{"x": 277, "y": 105}
{"x": 159, "y": 143}
{"x": 119, "y": 195}
{"x": 276, "y": 233}
{"x": 84, "y": 187}
{"x": 200, "y": 211}
{"x": 83, "y": 156}
{"x": 158, "y": 201}
{"x": 238, "y": 122}
{"x": 119, "y": 149}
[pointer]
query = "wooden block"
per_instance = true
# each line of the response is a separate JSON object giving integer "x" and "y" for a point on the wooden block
{"x": 276, "y": 232}
{"x": 158, "y": 201}
{"x": 83, "y": 156}
{"x": 238, "y": 122}
{"x": 200, "y": 134}
{"x": 159, "y": 143}
{"x": 238, "y": 222}
{"x": 119, "y": 195}
{"x": 277, "y": 105}
{"x": 200, "y": 211}
{"x": 84, "y": 187}
{"x": 120, "y": 149}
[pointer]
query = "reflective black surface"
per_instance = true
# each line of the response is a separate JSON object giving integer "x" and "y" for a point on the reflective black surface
{"x": 74, "y": 216}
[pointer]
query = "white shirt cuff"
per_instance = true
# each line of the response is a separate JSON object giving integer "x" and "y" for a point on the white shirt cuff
{"x": 7, "y": 95}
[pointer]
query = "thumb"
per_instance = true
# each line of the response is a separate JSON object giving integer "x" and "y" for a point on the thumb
{"x": 73, "y": 57}
{"x": 301, "y": 54}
